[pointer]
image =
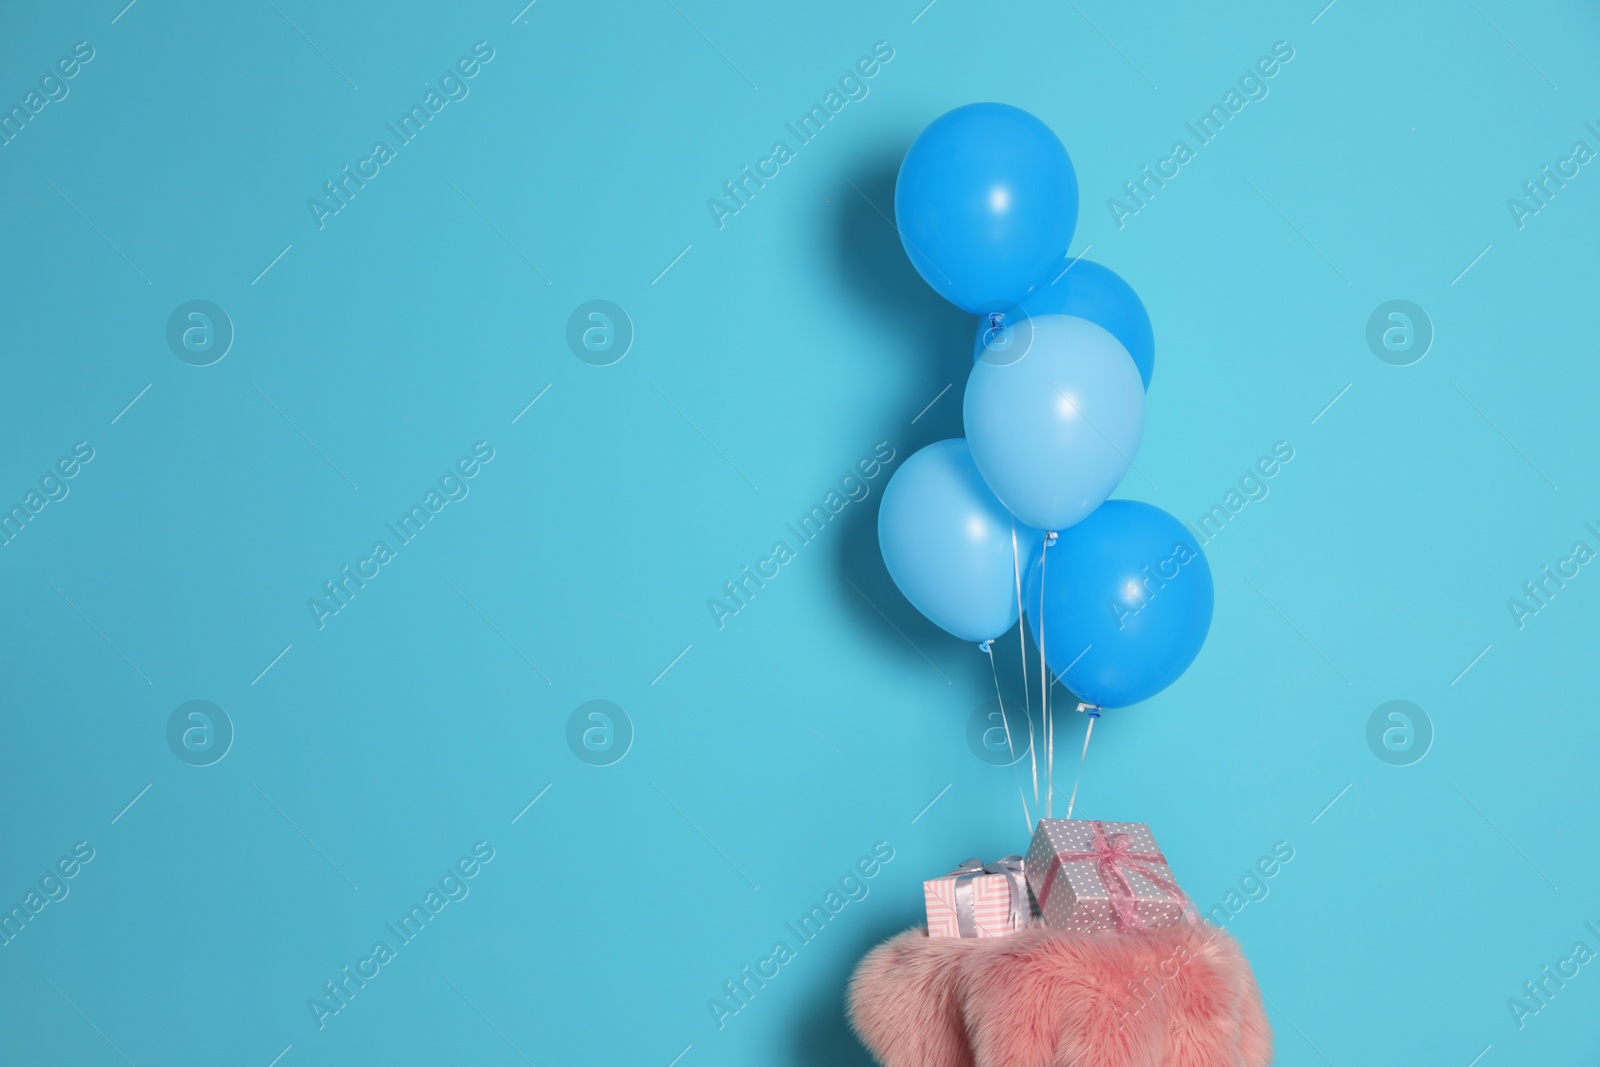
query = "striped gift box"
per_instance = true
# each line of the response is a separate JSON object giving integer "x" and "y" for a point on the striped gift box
{"x": 991, "y": 904}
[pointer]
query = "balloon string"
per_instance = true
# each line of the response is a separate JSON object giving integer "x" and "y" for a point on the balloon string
{"x": 1094, "y": 713}
{"x": 1022, "y": 649}
{"x": 988, "y": 650}
{"x": 1044, "y": 693}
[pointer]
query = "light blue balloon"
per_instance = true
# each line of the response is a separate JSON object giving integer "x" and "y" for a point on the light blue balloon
{"x": 1127, "y": 600}
{"x": 986, "y": 202}
{"x": 947, "y": 543}
{"x": 1054, "y": 419}
{"x": 1091, "y": 292}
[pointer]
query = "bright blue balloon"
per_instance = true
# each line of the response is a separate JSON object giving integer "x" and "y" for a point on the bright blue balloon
{"x": 1096, "y": 293}
{"x": 986, "y": 203}
{"x": 1126, "y": 603}
{"x": 1054, "y": 422}
{"x": 947, "y": 543}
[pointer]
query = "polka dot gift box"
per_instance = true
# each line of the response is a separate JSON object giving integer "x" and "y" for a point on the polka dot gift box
{"x": 1091, "y": 875}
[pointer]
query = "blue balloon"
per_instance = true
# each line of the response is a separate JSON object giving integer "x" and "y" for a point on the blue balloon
{"x": 1126, "y": 603}
{"x": 1091, "y": 292}
{"x": 947, "y": 543}
{"x": 986, "y": 203}
{"x": 1054, "y": 420}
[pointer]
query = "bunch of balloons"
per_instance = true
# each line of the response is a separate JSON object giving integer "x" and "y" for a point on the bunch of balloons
{"x": 1014, "y": 518}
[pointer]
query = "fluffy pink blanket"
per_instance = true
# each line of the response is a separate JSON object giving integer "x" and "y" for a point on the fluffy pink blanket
{"x": 1182, "y": 996}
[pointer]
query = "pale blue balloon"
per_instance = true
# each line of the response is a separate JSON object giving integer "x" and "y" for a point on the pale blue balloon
{"x": 1054, "y": 418}
{"x": 948, "y": 543}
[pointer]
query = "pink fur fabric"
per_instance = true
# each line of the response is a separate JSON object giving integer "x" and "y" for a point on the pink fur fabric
{"x": 1182, "y": 996}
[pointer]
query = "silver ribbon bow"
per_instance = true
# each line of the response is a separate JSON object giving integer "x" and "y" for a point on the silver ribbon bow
{"x": 1011, "y": 867}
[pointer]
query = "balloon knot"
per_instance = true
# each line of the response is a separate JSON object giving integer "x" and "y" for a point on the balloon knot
{"x": 983, "y": 646}
{"x": 1093, "y": 710}
{"x": 996, "y": 328}
{"x": 1050, "y": 538}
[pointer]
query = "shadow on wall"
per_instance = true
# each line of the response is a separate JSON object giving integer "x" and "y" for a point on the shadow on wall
{"x": 901, "y": 318}
{"x": 929, "y": 340}
{"x": 907, "y": 322}
{"x": 885, "y": 622}
{"x": 823, "y": 1037}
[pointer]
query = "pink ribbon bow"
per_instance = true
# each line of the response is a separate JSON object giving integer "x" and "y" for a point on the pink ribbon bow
{"x": 1111, "y": 853}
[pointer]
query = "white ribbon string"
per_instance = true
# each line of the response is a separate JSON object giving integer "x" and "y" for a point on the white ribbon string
{"x": 1094, "y": 713}
{"x": 988, "y": 650}
{"x": 1044, "y": 694}
{"x": 1022, "y": 648}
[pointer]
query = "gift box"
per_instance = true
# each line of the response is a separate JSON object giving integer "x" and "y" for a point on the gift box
{"x": 1090, "y": 875}
{"x": 978, "y": 899}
